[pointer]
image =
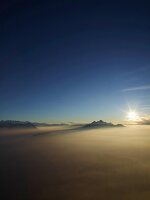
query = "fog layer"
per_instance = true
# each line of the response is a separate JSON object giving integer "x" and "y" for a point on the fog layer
{"x": 112, "y": 163}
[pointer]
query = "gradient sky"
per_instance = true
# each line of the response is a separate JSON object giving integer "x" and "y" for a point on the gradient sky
{"x": 62, "y": 61}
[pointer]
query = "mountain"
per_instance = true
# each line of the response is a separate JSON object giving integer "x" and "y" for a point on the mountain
{"x": 16, "y": 124}
{"x": 21, "y": 124}
{"x": 101, "y": 123}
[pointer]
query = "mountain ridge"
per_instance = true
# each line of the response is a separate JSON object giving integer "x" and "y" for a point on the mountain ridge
{"x": 101, "y": 123}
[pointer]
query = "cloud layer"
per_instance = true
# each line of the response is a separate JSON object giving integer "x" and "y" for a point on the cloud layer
{"x": 145, "y": 121}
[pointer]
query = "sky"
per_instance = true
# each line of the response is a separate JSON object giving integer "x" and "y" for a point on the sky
{"x": 74, "y": 61}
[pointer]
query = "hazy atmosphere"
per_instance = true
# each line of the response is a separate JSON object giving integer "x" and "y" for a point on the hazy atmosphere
{"x": 75, "y": 100}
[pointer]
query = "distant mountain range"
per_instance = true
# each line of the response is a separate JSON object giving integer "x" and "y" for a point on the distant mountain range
{"x": 101, "y": 123}
{"x": 25, "y": 124}
{"x": 16, "y": 124}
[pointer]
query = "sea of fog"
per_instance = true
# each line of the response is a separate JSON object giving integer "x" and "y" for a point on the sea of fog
{"x": 65, "y": 164}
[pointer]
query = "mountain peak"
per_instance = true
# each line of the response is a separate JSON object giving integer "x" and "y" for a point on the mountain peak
{"x": 101, "y": 123}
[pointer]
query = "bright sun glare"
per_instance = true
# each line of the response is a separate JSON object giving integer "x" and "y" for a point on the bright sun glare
{"x": 133, "y": 116}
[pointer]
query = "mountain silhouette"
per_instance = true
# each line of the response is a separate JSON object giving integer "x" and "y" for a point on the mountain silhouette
{"x": 101, "y": 123}
{"x": 16, "y": 124}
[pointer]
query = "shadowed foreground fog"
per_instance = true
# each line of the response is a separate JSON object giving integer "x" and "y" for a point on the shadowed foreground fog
{"x": 72, "y": 165}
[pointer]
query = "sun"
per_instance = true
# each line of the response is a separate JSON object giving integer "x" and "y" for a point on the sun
{"x": 132, "y": 115}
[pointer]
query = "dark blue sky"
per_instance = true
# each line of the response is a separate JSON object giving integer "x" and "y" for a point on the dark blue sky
{"x": 74, "y": 60}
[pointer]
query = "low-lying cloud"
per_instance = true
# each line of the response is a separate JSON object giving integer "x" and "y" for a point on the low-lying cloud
{"x": 144, "y": 121}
